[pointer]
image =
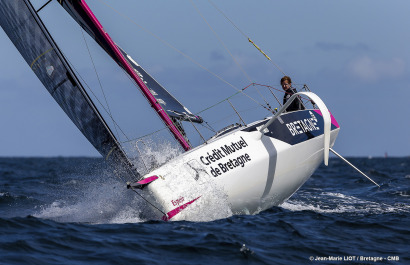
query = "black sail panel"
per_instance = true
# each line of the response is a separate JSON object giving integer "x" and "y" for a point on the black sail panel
{"x": 27, "y": 32}
{"x": 168, "y": 102}
{"x": 78, "y": 14}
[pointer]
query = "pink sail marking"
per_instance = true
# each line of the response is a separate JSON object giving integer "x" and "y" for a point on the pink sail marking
{"x": 161, "y": 112}
{"x": 177, "y": 210}
{"x": 334, "y": 122}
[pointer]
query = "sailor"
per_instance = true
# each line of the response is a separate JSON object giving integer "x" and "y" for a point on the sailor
{"x": 286, "y": 84}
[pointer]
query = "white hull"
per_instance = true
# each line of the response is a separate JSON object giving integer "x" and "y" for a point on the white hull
{"x": 247, "y": 172}
{"x": 249, "y": 169}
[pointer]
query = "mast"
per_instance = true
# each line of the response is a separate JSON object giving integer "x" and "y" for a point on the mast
{"x": 144, "y": 89}
{"x": 26, "y": 30}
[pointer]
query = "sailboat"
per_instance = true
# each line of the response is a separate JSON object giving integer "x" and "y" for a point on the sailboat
{"x": 252, "y": 167}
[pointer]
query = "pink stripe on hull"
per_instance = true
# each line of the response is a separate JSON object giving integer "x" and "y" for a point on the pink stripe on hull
{"x": 334, "y": 122}
{"x": 177, "y": 210}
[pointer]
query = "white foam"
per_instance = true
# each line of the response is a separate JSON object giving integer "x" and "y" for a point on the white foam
{"x": 328, "y": 202}
{"x": 212, "y": 204}
{"x": 296, "y": 206}
{"x": 101, "y": 203}
{"x": 106, "y": 200}
{"x": 154, "y": 154}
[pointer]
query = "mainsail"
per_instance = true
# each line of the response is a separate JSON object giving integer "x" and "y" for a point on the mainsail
{"x": 167, "y": 107}
{"x": 25, "y": 29}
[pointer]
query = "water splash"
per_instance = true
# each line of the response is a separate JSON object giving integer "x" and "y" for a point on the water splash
{"x": 330, "y": 202}
{"x": 107, "y": 202}
{"x": 98, "y": 197}
{"x": 151, "y": 154}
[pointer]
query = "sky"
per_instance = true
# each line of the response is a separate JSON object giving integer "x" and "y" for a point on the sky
{"x": 352, "y": 54}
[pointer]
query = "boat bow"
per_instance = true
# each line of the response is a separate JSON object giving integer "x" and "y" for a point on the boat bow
{"x": 324, "y": 112}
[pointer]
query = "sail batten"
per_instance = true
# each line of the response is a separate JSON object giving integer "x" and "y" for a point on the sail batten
{"x": 25, "y": 29}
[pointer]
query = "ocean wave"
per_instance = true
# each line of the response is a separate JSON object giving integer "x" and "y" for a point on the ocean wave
{"x": 331, "y": 202}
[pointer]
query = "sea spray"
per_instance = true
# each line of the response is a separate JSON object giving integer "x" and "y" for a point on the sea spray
{"x": 100, "y": 202}
{"x": 99, "y": 197}
{"x": 213, "y": 203}
{"x": 149, "y": 154}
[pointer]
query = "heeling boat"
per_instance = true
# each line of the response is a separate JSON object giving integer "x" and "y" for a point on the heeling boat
{"x": 251, "y": 166}
{"x": 256, "y": 170}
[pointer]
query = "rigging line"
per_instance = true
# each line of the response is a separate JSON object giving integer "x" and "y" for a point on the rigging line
{"x": 169, "y": 45}
{"x": 99, "y": 81}
{"x": 232, "y": 115}
{"x": 224, "y": 118}
{"x": 273, "y": 94}
{"x": 180, "y": 52}
{"x": 95, "y": 96}
{"x": 134, "y": 139}
{"x": 43, "y": 6}
{"x": 210, "y": 107}
{"x": 226, "y": 48}
{"x": 246, "y": 36}
{"x": 280, "y": 90}
{"x": 166, "y": 125}
{"x": 208, "y": 126}
{"x": 268, "y": 86}
{"x": 260, "y": 105}
{"x": 115, "y": 123}
{"x": 224, "y": 99}
{"x": 72, "y": 78}
{"x": 220, "y": 40}
{"x": 147, "y": 201}
{"x": 74, "y": 71}
{"x": 220, "y": 11}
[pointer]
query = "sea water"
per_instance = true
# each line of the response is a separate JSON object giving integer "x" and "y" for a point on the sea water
{"x": 73, "y": 211}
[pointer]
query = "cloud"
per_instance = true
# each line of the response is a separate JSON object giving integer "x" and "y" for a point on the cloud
{"x": 217, "y": 56}
{"x": 332, "y": 46}
{"x": 369, "y": 69}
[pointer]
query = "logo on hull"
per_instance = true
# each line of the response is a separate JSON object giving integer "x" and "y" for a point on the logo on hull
{"x": 302, "y": 126}
{"x": 222, "y": 153}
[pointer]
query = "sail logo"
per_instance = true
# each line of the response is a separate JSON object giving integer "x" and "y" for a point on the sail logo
{"x": 49, "y": 70}
{"x": 178, "y": 201}
{"x": 303, "y": 126}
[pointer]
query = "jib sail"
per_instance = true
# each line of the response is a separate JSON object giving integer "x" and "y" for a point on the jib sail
{"x": 27, "y": 32}
{"x": 168, "y": 108}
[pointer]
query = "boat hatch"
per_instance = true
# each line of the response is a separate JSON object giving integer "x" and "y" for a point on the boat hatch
{"x": 227, "y": 129}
